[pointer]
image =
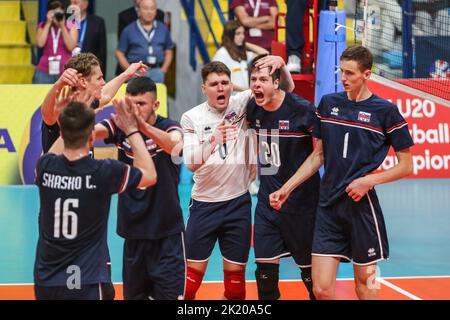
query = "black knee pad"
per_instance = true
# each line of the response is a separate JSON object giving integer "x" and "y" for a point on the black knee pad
{"x": 267, "y": 281}
{"x": 307, "y": 281}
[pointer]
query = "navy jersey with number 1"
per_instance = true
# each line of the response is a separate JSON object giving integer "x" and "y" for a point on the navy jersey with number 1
{"x": 356, "y": 138}
{"x": 75, "y": 198}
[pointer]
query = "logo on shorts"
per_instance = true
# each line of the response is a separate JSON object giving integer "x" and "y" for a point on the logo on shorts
{"x": 364, "y": 116}
{"x": 335, "y": 111}
{"x": 258, "y": 123}
{"x": 207, "y": 129}
{"x": 371, "y": 252}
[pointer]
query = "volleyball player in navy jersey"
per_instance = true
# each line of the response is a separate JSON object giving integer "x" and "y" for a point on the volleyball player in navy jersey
{"x": 354, "y": 131}
{"x": 150, "y": 220}
{"x": 283, "y": 123}
{"x": 75, "y": 195}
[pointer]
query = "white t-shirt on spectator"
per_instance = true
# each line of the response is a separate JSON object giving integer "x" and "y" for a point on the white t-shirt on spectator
{"x": 239, "y": 70}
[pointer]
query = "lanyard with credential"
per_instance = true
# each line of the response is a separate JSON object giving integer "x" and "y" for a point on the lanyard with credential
{"x": 255, "y": 7}
{"x": 148, "y": 37}
{"x": 55, "y": 38}
{"x": 83, "y": 32}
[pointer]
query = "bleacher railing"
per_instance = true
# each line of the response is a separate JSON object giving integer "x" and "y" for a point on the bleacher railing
{"x": 198, "y": 39}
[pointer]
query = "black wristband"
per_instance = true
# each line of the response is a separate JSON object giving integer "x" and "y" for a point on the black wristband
{"x": 129, "y": 135}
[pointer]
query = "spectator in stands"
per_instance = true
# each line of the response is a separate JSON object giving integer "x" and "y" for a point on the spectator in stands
{"x": 131, "y": 15}
{"x": 92, "y": 34}
{"x": 236, "y": 54}
{"x": 147, "y": 40}
{"x": 58, "y": 39}
{"x": 258, "y": 18}
{"x": 294, "y": 33}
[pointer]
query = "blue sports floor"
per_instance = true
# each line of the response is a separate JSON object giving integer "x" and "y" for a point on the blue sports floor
{"x": 417, "y": 214}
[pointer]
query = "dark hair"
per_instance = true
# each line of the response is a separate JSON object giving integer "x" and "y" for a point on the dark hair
{"x": 54, "y": 4}
{"x": 215, "y": 67}
{"x": 275, "y": 76}
{"x": 76, "y": 122}
{"x": 83, "y": 63}
{"x": 141, "y": 85}
{"x": 361, "y": 55}
{"x": 237, "y": 53}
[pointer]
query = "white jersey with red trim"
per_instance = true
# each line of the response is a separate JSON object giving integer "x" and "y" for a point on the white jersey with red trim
{"x": 230, "y": 169}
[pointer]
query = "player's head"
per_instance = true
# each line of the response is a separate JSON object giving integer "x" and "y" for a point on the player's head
{"x": 142, "y": 93}
{"x": 77, "y": 126}
{"x": 233, "y": 39}
{"x": 217, "y": 86}
{"x": 88, "y": 65}
{"x": 147, "y": 10}
{"x": 356, "y": 66}
{"x": 264, "y": 86}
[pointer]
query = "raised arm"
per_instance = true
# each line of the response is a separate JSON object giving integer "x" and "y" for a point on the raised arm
{"x": 276, "y": 62}
{"x": 110, "y": 89}
{"x": 68, "y": 78}
{"x": 170, "y": 142}
{"x": 309, "y": 167}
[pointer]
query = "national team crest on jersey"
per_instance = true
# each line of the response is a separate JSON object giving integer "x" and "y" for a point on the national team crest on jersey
{"x": 364, "y": 116}
{"x": 231, "y": 117}
{"x": 283, "y": 124}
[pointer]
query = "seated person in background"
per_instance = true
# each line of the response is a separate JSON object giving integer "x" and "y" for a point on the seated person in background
{"x": 147, "y": 40}
{"x": 258, "y": 18}
{"x": 236, "y": 54}
{"x": 57, "y": 41}
{"x": 92, "y": 34}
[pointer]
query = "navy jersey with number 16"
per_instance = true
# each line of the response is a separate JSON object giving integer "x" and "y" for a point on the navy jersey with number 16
{"x": 75, "y": 198}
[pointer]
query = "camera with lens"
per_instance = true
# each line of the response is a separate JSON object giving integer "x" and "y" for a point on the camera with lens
{"x": 59, "y": 16}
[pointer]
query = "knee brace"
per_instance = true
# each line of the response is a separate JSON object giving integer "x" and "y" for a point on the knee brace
{"x": 234, "y": 282}
{"x": 194, "y": 279}
{"x": 307, "y": 281}
{"x": 267, "y": 281}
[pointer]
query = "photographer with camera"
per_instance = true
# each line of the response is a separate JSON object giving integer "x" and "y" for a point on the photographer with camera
{"x": 57, "y": 38}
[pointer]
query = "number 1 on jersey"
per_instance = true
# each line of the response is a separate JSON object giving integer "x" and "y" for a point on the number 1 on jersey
{"x": 344, "y": 152}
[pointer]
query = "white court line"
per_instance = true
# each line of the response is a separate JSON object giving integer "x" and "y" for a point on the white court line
{"x": 398, "y": 289}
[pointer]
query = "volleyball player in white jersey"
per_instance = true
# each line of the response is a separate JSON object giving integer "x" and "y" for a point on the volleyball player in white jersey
{"x": 218, "y": 148}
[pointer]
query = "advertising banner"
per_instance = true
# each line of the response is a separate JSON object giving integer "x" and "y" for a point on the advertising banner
{"x": 429, "y": 125}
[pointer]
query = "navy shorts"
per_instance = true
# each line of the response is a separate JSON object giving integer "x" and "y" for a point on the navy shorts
{"x": 98, "y": 291}
{"x": 154, "y": 269}
{"x": 354, "y": 231}
{"x": 230, "y": 222}
{"x": 279, "y": 234}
